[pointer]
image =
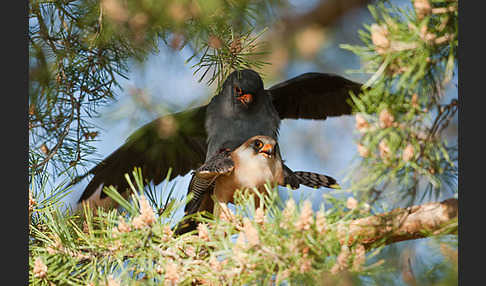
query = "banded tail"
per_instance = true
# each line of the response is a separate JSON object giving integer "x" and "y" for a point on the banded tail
{"x": 315, "y": 180}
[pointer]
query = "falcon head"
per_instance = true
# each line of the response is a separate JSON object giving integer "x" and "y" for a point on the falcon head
{"x": 244, "y": 87}
{"x": 260, "y": 146}
{"x": 257, "y": 161}
{"x": 264, "y": 146}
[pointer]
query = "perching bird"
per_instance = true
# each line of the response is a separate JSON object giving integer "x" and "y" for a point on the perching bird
{"x": 242, "y": 109}
{"x": 249, "y": 167}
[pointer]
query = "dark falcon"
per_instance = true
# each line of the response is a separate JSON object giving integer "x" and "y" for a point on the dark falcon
{"x": 241, "y": 110}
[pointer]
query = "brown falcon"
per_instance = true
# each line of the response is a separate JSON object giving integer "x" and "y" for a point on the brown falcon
{"x": 249, "y": 167}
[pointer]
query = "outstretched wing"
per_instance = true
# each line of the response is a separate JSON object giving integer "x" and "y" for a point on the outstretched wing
{"x": 313, "y": 96}
{"x": 176, "y": 141}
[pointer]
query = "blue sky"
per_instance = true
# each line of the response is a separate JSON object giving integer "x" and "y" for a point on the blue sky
{"x": 321, "y": 146}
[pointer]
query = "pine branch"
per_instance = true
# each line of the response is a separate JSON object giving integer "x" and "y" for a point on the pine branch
{"x": 402, "y": 224}
{"x": 297, "y": 239}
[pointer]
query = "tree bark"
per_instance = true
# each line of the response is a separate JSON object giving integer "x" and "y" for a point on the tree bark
{"x": 402, "y": 224}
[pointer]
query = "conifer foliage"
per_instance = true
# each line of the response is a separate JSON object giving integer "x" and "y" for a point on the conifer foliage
{"x": 78, "y": 51}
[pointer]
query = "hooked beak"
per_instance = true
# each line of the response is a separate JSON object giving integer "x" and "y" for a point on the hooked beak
{"x": 245, "y": 98}
{"x": 267, "y": 150}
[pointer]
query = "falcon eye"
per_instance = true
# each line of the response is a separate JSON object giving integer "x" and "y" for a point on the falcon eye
{"x": 258, "y": 144}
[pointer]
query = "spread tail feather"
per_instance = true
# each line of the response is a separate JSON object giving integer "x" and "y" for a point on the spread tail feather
{"x": 315, "y": 180}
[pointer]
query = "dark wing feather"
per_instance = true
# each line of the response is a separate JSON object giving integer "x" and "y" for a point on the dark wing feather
{"x": 202, "y": 181}
{"x": 219, "y": 164}
{"x": 201, "y": 201}
{"x": 199, "y": 187}
{"x": 310, "y": 179}
{"x": 313, "y": 96}
{"x": 289, "y": 178}
{"x": 315, "y": 180}
{"x": 155, "y": 148}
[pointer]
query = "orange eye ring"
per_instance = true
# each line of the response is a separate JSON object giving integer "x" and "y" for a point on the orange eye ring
{"x": 258, "y": 144}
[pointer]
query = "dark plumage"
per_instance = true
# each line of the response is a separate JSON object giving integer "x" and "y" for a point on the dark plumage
{"x": 249, "y": 167}
{"x": 242, "y": 109}
{"x": 315, "y": 180}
